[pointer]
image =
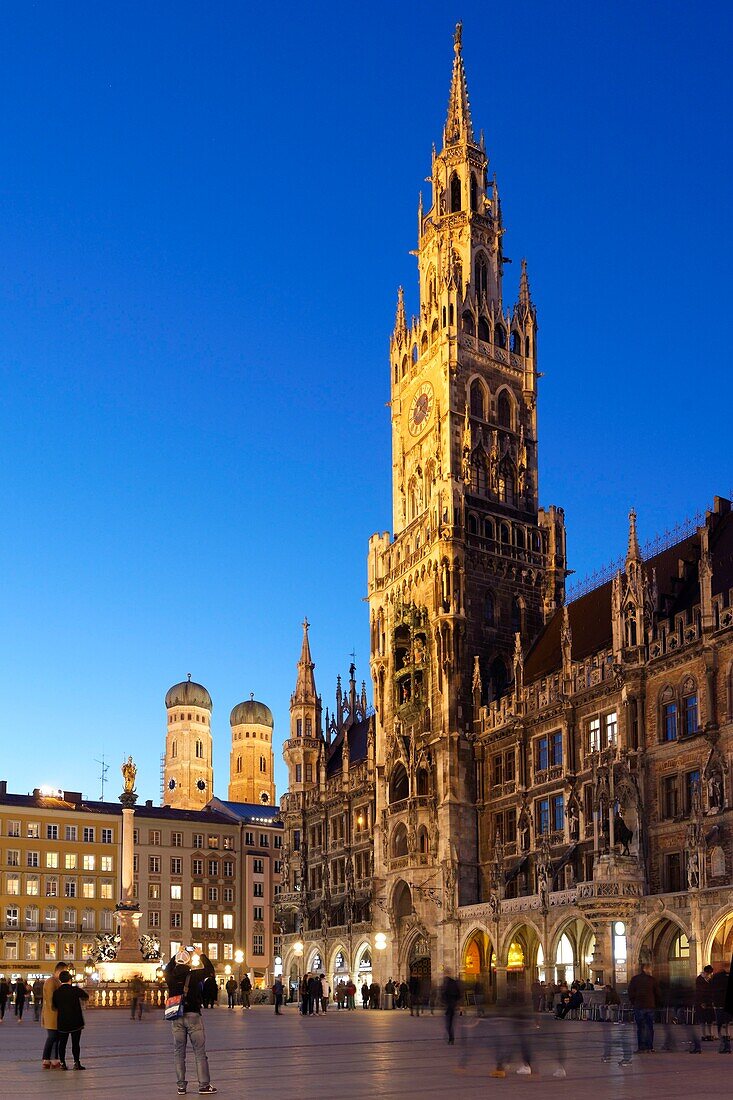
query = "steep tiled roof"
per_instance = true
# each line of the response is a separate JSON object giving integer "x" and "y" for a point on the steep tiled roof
{"x": 678, "y": 589}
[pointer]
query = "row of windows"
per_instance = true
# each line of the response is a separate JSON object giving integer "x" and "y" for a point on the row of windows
{"x": 211, "y": 894}
{"x": 518, "y": 344}
{"x": 70, "y": 950}
{"x": 188, "y": 717}
{"x": 14, "y": 858}
{"x": 34, "y": 831}
{"x": 308, "y": 727}
{"x": 155, "y": 838}
{"x": 197, "y": 866}
{"x": 52, "y": 920}
{"x": 212, "y": 949}
{"x": 197, "y": 920}
{"x": 53, "y": 888}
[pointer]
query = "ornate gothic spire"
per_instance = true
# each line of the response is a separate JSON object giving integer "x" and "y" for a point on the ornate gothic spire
{"x": 305, "y": 686}
{"x": 525, "y": 298}
{"x": 458, "y": 126}
{"x": 400, "y": 325}
{"x": 633, "y": 552}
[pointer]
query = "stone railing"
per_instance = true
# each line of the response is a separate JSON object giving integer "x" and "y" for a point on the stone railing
{"x": 119, "y": 995}
{"x": 587, "y": 891}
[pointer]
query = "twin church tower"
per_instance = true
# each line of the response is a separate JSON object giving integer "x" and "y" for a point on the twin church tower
{"x": 188, "y": 770}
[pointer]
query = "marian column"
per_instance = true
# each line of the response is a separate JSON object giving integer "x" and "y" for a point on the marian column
{"x": 128, "y": 960}
{"x": 128, "y": 910}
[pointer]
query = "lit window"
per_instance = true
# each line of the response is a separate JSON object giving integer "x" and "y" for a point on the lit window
{"x": 212, "y": 920}
{"x": 88, "y": 863}
{"x": 70, "y": 861}
{"x": 197, "y": 920}
{"x": 227, "y": 921}
{"x": 594, "y": 735}
{"x": 176, "y": 892}
{"x": 52, "y": 859}
{"x": 107, "y": 863}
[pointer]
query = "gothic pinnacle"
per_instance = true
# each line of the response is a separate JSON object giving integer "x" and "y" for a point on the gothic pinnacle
{"x": 458, "y": 126}
{"x": 525, "y": 298}
{"x": 633, "y": 552}
{"x": 400, "y": 326}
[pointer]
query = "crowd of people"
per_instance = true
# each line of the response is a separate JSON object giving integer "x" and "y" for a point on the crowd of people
{"x": 703, "y": 1008}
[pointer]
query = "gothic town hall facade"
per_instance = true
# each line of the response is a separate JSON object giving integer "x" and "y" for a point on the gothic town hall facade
{"x": 541, "y": 788}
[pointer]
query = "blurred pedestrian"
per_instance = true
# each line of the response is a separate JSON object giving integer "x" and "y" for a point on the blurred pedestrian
{"x": 451, "y": 995}
{"x": 644, "y": 997}
{"x": 277, "y": 991}
{"x": 37, "y": 991}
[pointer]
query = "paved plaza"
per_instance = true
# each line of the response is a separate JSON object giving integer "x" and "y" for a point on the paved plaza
{"x": 385, "y": 1054}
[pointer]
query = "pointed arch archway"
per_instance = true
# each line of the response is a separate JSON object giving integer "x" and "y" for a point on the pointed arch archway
{"x": 478, "y": 966}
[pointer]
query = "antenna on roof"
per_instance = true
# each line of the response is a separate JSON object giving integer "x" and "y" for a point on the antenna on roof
{"x": 103, "y": 769}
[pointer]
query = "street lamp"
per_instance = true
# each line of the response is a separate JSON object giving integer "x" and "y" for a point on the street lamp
{"x": 380, "y": 943}
{"x": 298, "y": 949}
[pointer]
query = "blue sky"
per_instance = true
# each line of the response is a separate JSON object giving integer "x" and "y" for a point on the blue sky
{"x": 205, "y": 211}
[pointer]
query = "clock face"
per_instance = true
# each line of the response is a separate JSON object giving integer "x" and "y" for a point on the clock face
{"x": 200, "y": 783}
{"x": 171, "y": 784}
{"x": 420, "y": 408}
{"x": 264, "y": 797}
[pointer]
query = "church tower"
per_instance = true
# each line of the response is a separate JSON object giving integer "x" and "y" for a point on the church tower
{"x": 474, "y": 561}
{"x": 251, "y": 760}
{"x": 303, "y": 752}
{"x": 188, "y": 776}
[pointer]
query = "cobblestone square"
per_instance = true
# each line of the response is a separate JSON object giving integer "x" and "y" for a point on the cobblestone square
{"x": 388, "y": 1054}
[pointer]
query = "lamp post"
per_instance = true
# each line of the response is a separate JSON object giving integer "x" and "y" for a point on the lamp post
{"x": 380, "y": 943}
{"x": 298, "y": 949}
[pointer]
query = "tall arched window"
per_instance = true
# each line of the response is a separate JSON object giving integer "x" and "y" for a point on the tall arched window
{"x": 477, "y": 400}
{"x": 455, "y": 193}
{"x": 516, "y": 615}
{"x": 504, "y": 410}
{"x": 263, "y": 764}
{"x": 199, "y": 750}
{"x": 468, "y": 325}
{"x": 489, "y": 609}
{"x": 515, "y": 342}
{"x": 481, "y": 275}
{"x": 239, "y": 764}
{"x": 474, "y": 192}
{"x": 500, "y": 336}
{"x": 484, "y": 332}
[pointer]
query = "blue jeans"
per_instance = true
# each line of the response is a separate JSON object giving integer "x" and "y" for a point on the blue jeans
{"x": 190, "y": 1026}
{"x": 644, "y": 1028}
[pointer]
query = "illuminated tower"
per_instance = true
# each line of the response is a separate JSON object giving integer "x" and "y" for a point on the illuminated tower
{"x": 188, "y": 782}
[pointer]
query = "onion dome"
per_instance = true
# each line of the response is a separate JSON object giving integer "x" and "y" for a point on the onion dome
{"x": 252, "y": 713}
{"x": 188, "y": 694}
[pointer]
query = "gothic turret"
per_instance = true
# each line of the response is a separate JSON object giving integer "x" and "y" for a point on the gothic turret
{"x": 302, "y": 751}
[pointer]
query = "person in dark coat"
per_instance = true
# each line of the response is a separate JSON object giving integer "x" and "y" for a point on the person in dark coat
{"x": 729, "y": 992}
{"x": 704, "y": 1008}
{"x": 211, "y": 991}
{"x": 21, "y": 991}
{"x": 314, "y": 995}
{"x": 414, "y": 988}
{"x": 231, "y": 988}
{"x": 365, "y": 995}
{"x": 644, "y": 996}
{"x": 4, "y": 994}
{"x": 67, "y": 1000}
{"x": 277, "y": 991}
{"x": 185, "y": 976}
{"x": 245, "y": 988}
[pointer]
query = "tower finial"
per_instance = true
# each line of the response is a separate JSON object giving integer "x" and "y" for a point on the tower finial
{"x": 633, "y": 552}
{"x": 400, "y": 325}
{"x": 458, "y": 126}
{"x": 525, "y": 298}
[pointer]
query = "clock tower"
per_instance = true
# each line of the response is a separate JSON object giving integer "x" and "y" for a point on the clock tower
{"x": 188, "y": 773}
{"x": 460, "y": 591}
